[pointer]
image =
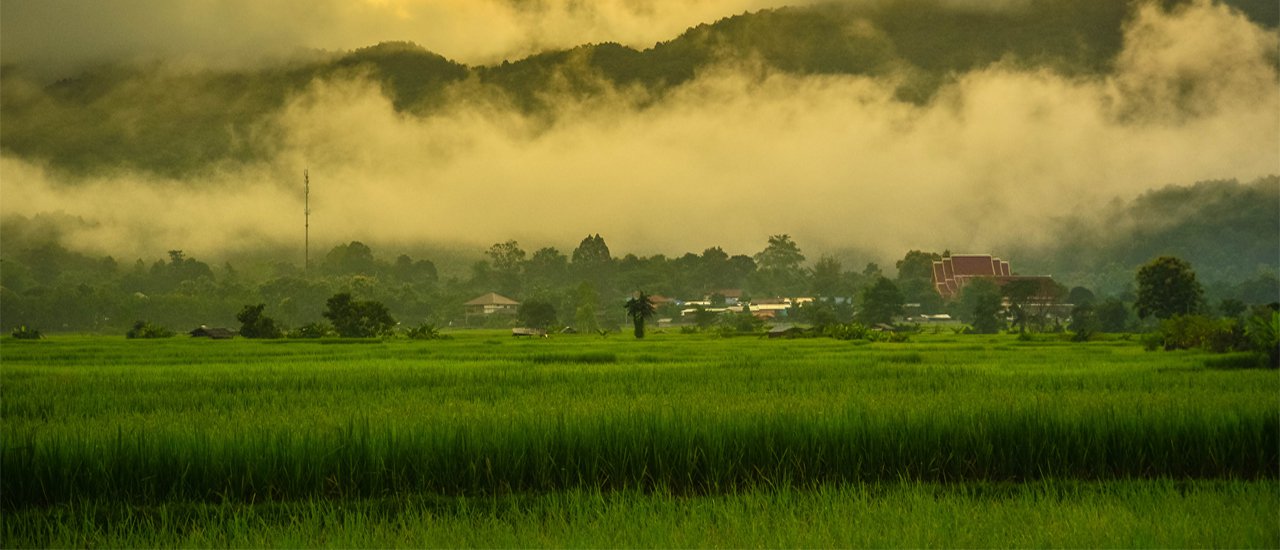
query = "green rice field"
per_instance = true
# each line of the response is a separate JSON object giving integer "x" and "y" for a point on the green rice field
{"x": 676, "y": 440}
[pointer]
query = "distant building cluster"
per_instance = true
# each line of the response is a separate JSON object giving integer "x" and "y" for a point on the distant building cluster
{"x": 951, "y": 274}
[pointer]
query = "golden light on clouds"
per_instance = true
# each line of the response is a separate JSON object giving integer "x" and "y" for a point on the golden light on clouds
{"x": 736, "y": 154}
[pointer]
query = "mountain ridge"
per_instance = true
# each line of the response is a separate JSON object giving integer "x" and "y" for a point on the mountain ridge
{"x": 133, "y": 118}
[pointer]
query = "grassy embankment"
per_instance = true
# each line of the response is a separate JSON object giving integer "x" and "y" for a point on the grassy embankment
{"x": 484, "y": 438}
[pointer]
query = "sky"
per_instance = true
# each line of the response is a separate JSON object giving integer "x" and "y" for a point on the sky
{"x": 737, "y": 154}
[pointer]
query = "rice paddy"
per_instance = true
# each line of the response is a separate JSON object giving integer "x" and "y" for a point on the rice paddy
{"x": 677, "y": 440}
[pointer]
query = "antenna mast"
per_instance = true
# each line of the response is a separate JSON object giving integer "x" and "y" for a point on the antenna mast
{"x": 306, "y": 213}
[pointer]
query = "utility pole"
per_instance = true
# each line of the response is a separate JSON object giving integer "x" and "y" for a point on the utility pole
{"x": 306, "y": 215}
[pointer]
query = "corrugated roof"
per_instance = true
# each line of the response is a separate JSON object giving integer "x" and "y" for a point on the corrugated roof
{"x": 492, "y": 299}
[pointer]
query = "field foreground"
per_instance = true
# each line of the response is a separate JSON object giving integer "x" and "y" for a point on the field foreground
{"x": 677, "y": 440}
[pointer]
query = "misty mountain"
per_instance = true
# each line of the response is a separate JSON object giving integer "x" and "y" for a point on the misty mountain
{"x": 179, "y": 122}
{"x": 1227, "y": 230}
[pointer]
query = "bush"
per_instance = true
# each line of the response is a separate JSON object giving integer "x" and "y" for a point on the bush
{"x": 733, "y": 324}
{"x": 1264, "y": 337}
{"x": 24, "y": 332}
{"x": 143, "y": 329}
{"x": 358, "y": 319}
{"x": 425, "y": 331}
{"x": 253, "y": 324}
{"x": 313, "y": 330}
{"x": 848, "y": 331}
{"x": 1084, "y": 323}
{"x": 1198, "y": 332}
{"x": 537, "y": 314}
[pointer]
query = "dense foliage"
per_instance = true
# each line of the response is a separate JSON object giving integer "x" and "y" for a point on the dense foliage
{"x": 253, "y": 324}
{"x": 144, "y": 329}
{"x": 1167, "y": 287}
{"x": 358, "y": 318}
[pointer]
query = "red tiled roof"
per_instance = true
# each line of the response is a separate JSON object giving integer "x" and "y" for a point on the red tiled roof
{"x": 972, "y": 265}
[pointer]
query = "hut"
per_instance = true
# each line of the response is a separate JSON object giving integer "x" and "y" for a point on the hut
{"x": 214, "y": 333}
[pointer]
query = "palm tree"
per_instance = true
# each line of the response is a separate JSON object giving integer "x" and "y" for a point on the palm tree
{"x": 639, "y": 309}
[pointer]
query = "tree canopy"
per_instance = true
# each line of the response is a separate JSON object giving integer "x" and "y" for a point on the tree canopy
{"x": 358, "y": 319}
{"x": 1167, "y": 286}
{"x": 881, "y": 302}
{"x": 640, "y": 308}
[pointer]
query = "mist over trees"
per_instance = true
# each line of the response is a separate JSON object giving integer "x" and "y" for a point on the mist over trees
{"x": 1224, "y": 228}
{"x": 46, "y": 286}
{"x": 179, "y": 128}
{"x": 229, "y": 112}
{"x": 1227, "y": 229}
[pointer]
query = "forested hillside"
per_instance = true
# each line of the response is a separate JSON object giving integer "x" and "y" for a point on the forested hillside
{"x": 178, "y": 122}
{"x": 1229, "y": 231}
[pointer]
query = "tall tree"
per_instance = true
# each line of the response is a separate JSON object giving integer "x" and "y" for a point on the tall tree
{"x": 778, "y": 267}
{"x": 592, "y": 250}
{"x": 640, "y": 309}
{"x": 980, "y": 304}
{"x": 588, "y": 302}
{"x": 358, "y": 319}
{"x": 1167, "y": 286}
{"x": 828, "y": 278}
{"x": 592, "y": 262}
{"x": 915, "y": 280}
{"x": 881, "y": 302}
{"x": 507, "y": 259}
{"x": 1020, "y": 293}
{"x": 1084, "y": 322}
{"x": 253, "y": 324}
{"x": 547, "y": 269}
{"x": 537, "y": 314}
{"x": 354, "y": 258}
{"x": 1113, "y": 315}
{"x": 917, "y": 264}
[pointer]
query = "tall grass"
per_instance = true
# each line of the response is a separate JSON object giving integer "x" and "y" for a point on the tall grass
{"x": 150, "y": 422}
{"x": 1128, "y": 514}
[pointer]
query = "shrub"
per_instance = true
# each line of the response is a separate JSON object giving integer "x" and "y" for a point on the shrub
{"x": 1084, "y": 323}
{"x": 425, "y": 331}
{"x": 253, "y": 324}
{"x": 313, "y": 330}
{"x": 732, "y": 324}
{"x": 143, "y": 329}
{"x": 24, "y": 332}
{"x": 358, "y": 319}
{"x": 848, "y": 331}
{"x": 1198, "y": 332}
{"x": 1264, "y": 337}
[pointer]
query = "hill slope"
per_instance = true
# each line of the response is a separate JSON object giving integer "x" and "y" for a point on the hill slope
{"x": 178, "y": 123}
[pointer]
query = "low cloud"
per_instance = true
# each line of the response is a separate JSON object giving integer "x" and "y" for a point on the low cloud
{"x": 61, "y": 36}
{"x": 733, "y": 156}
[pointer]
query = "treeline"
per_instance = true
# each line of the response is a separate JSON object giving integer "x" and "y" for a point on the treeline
{"x": 52, "y": 289}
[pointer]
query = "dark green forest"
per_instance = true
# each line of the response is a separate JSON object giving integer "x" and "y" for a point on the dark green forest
{"x": 122, "y": 117}
{"x": 44, "y": 285}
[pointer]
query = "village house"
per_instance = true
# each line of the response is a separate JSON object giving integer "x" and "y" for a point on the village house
{"x": 492, "y": 303}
